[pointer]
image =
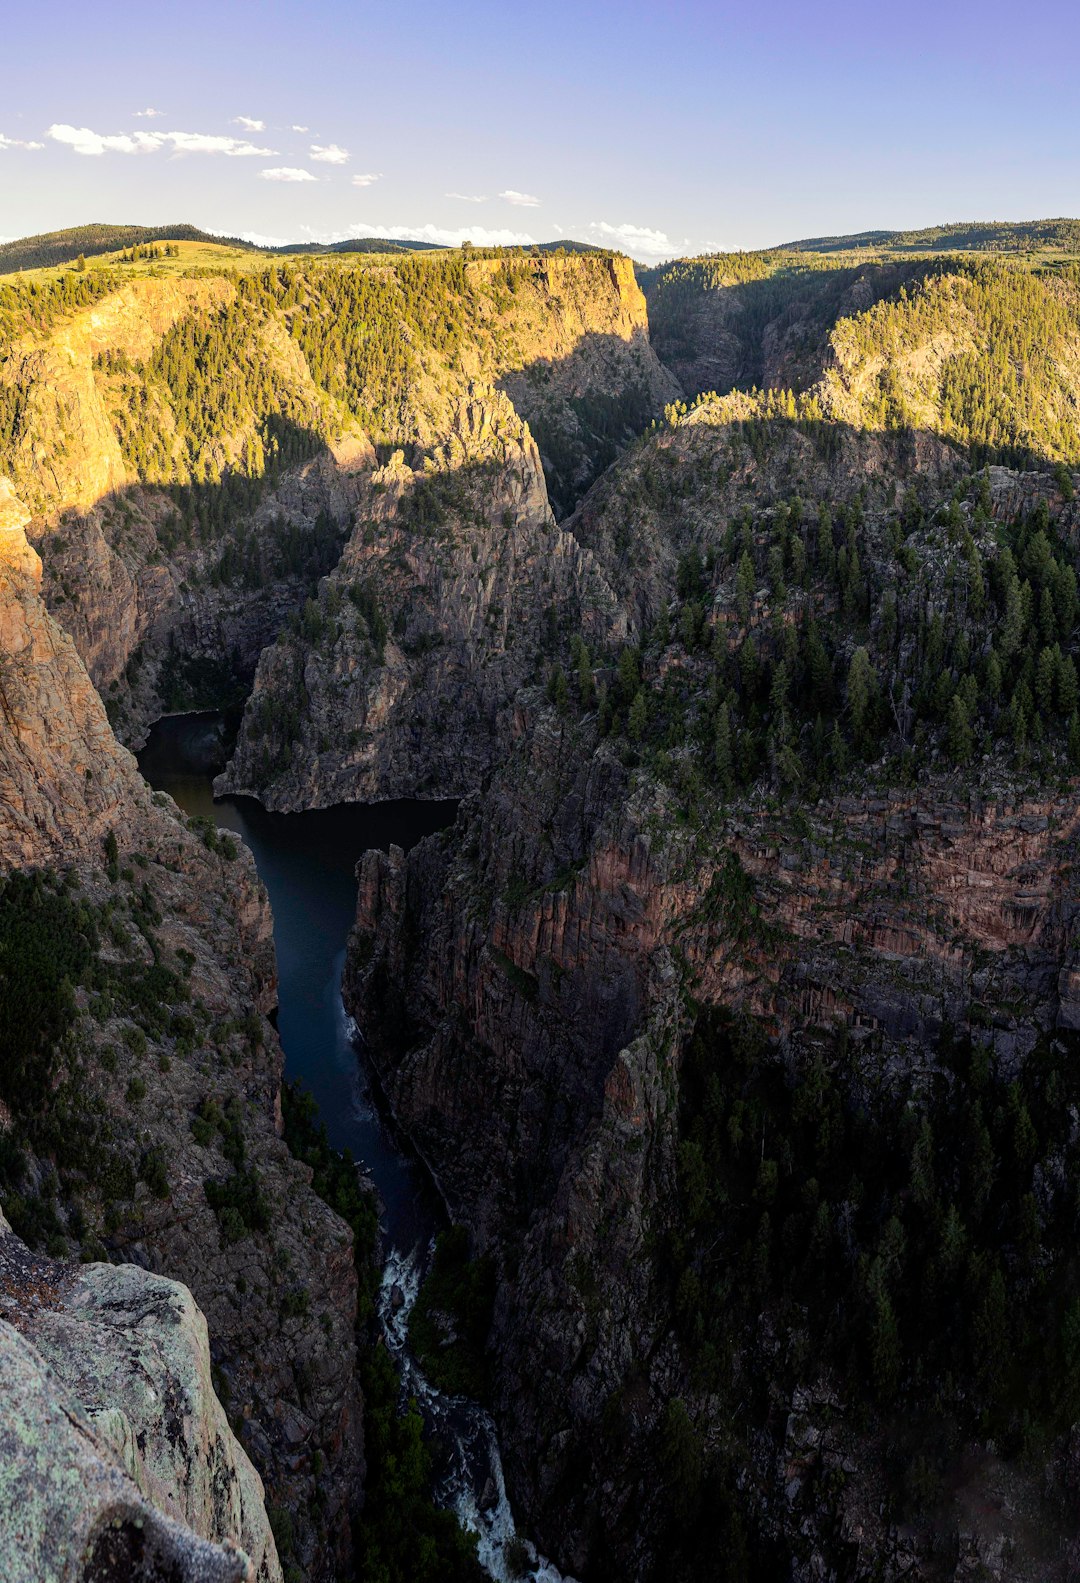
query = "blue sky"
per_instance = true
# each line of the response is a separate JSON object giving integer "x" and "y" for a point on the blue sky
{"x": 675, "y": 127}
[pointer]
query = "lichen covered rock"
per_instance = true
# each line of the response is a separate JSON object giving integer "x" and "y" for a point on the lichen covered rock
{"x": 116, "y": 1458}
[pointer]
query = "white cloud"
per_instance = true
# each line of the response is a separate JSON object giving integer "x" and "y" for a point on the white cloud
{"x": 205, "y": 143}
{"x": 524, "y": 200}
{"x": 248, "y": 123}
{"x": 329, "y": 154}
{"x": 17, "y": 142}
{"x": 295, "y": 128}
{"x": 147, "y": 115}
{"x": 258, "y": 239}
{"x": 83, "y": 141}
{"x": 442, "y": 236}
{"x": 639, "y": 240}
{"x": 468, "y": 197}
{"x": 367, "y": 179}
{"x": 286, "y": 173}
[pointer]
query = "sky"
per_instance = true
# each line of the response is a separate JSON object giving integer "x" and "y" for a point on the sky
{"x": 663, "y": 129}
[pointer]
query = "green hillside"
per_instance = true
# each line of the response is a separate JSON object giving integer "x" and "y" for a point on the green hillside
{"x": 60, "y": 247}
{"x": 988, "y": 236}
{"x": 53, "y": 248}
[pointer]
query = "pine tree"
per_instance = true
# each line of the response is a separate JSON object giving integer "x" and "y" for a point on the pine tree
{"x": 558, "y": 692}
{"x": 861, "y": 696}
{"x": 723, "y": 755}
{"x": 745, "y": 587}
{"x": 958, "y": 731}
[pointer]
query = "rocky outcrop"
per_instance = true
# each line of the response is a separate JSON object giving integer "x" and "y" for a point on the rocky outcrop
{"x": 682, "y": 489}
{"x": 454, "y": 586}
{"x": 62, "y": 774}
{"x": 521, "y": 986}
{"x": 118, "y": 1460}
{"x": 516, "y": 983}
{"x": 566, "y": 337}
{"x": 733, "y": 322}
{"x": 116, "y": 576}
{"x": 137, "y": 613}
{"x": 142, "y": 1064}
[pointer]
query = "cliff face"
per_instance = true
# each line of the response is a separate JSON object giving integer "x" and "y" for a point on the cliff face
{"x": 728, "y": 323}
{"x": 525, "y": 981}
{"x": 521, "y": 984}
{"x": 518, "y": 994}
{"x": 399, "y": 681}
{"x": 67, "y": 455}
{"x": 118, "y": 1457}
{"x": 583, "y": 373}
{"x": 679, "y": 490}
{"x": 168, "y": 1025}
{"x": 981, "y": 351}
{"x": 137, "y": 612}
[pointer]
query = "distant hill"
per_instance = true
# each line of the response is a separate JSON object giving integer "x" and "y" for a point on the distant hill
{"x": 60, "y": 247}
{"x": 372, "y": 244}
{"x": 980, "y": 235}
{"x": 359, "y": 244}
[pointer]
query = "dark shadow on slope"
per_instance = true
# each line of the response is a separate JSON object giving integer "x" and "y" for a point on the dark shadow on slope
{"x": 584, "y": 408}
{"x": 213, "y": 583}
{"x": 715, "y": 333}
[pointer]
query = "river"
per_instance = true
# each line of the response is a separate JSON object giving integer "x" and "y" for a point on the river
{"x": 307, "y": 862}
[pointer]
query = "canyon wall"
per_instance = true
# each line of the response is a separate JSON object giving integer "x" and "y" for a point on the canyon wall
{"x": 526, "y": 983}
{"x": 168, "y": 1072}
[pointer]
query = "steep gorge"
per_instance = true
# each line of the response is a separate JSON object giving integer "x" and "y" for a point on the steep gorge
{"x": 769, "y": 750}
{"x": 172, "y": 561}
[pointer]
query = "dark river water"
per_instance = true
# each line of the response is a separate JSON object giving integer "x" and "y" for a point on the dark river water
{"x": 307, "y": 862}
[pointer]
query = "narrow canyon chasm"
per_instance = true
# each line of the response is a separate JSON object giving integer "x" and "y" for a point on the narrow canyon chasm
{"x": 539, "y": 919}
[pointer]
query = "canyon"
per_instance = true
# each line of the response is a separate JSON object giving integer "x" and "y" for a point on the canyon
{"x": 760, "y": 745}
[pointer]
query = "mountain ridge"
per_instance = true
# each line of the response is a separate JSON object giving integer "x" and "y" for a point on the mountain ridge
{"x": 55, "y": 248}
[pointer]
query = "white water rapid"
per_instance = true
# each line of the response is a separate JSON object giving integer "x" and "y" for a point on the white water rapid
{"x": 473, "y": 1487}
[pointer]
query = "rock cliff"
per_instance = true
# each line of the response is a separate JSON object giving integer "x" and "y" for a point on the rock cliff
{"x": 454, "y": 584}
{"x": 206, "y": 570}
{"x": 526, "y": 982}
{"x": 118, "y": 1457}
{"x": 165, "y": 1074}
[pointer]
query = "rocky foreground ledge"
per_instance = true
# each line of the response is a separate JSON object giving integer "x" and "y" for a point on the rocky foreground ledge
{"x": 118, "y": 1460}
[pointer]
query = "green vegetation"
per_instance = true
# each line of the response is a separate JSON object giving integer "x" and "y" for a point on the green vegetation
{"x": 62, "y": 247}
{"x": 903, "y": 1240}
{"x": 805, "y": 641}
{"x": 449, "y": 1325}
{"x": 1009, "y": 365}
{"x": 749, "y": 294}
{"x": 990, "y": 236}
{"x": 53, "y": 1075}
{"x": 337, "y": 1181}
{"x": 402, "y": 1537}
{"x": 983, "y": 350}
